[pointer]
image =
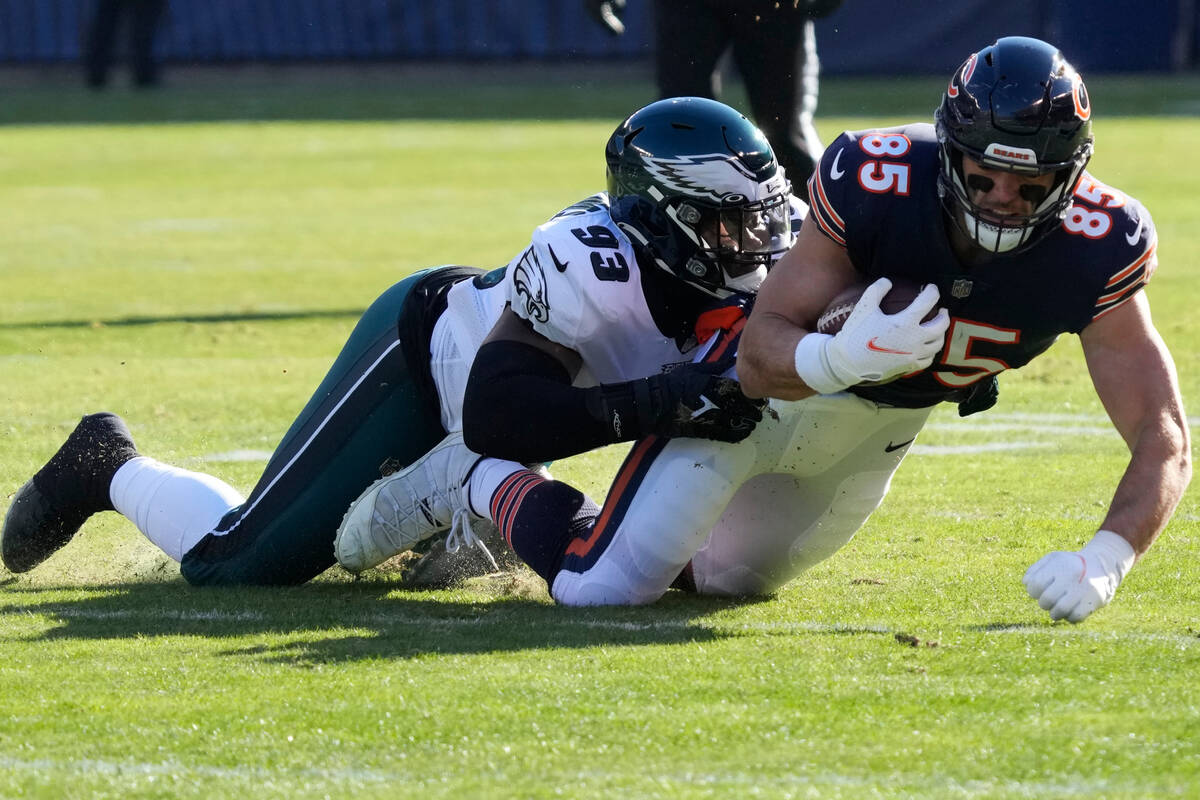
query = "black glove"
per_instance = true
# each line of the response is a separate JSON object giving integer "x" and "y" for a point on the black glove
{"x": 983, "y": 396}
{"x": 607, "y": 13}
{"x": 693, "y": 400}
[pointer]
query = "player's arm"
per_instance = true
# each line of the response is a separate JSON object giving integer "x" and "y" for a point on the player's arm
{"x": 1135, "y": 379}
{"x": 520, "y": 404}
{"x": 782, "y": 356}
{"x": 792, "y": 297}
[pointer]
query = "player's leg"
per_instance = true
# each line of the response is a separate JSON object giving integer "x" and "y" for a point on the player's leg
{"x": 776, "y": 53}
{"x": 663, "y": 503}
{"x": 665, "y": 499}
{"x": 50, "y": 508}
{"x": 145, "y": 16}
{"x": 832, "y": 472}
{"x": 689, "y": 38}
{"x": 375, "y": 406}
{"x": 99, "y": 39}
{"x": 98, "y": 469}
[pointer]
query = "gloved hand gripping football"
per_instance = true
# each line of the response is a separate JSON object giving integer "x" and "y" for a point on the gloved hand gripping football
{"x": 873, "y": 345}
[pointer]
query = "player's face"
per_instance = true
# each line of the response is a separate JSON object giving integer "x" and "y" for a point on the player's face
{"x": 1003, "y": 193}
{"x": 741, "y": 231}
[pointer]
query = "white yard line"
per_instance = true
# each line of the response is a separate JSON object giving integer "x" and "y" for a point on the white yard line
{"x": 124, "y": 772}
{"x": 1051, "y": 424}
{"x": 136, "y": 769}
{"x": 996, "y": 427}
{"x": 967, "y": 449}
{"x": 238, "y": 455}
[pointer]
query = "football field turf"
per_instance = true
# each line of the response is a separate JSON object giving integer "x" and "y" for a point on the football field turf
{"x": 197, "y": 275}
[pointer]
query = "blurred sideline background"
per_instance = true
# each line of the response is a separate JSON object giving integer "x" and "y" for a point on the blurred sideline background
{"x": 394, "y": 59}
{"x": 862, "y": 37}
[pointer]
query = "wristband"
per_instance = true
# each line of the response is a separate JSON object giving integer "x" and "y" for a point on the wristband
{"x": 1111, "y": 548}
{"x": 812, "y": 364}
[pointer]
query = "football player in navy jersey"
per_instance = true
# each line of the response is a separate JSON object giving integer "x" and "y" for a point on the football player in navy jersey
{"x": 993, "y": 210}
{"x": 590, "y": 338}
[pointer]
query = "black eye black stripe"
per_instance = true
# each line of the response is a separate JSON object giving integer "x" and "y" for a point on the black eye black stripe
{"x": 1030, "y": 192}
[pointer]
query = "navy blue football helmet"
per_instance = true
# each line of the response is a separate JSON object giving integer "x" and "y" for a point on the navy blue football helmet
{"x": 1016, "y": 105}
{"x": 697, "y": 188}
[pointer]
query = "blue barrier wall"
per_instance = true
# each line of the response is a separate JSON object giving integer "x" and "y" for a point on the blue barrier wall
{"x": 882, "y": 36}
{"x": 863, "y": 36}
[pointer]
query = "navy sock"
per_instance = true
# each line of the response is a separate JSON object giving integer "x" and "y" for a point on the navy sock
{"x": 539, "y": 518}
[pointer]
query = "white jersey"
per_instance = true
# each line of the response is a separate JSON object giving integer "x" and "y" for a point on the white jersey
{"x": 578, "y": 284}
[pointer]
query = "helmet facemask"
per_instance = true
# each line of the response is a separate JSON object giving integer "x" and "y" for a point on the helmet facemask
{"x": 740, "y": 239}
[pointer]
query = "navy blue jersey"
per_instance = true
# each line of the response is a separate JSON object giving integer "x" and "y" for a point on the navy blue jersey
{"x": 875, "y": 193}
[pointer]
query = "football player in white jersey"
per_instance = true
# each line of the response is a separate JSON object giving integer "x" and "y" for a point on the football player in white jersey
{"x": 694, "y": 198}
{"x": 590, "y": 337}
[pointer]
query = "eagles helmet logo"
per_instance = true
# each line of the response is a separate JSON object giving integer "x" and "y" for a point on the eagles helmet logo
{"x": 530, "y": 282}
{"x": 695, "y": 176}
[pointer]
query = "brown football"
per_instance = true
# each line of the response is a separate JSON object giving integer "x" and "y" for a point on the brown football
{"x": 898, "y": 298}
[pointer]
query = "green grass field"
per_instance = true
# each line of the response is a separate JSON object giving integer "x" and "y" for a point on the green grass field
{"x": 194, "y": 259}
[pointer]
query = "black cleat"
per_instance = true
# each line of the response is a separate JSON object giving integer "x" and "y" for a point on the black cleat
{"x": 48, "y": 510}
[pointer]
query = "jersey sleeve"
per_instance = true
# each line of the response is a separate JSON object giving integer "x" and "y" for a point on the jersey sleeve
{"x": 537, "y": 296}
{"x": 1134, "y": 255}
{"x": 826, "y": 189}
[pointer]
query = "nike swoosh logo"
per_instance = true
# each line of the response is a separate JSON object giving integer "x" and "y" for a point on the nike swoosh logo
{"x": 891, "y": 448}
{"x": 834, "y": 172}
{"x": 1137, "y": 234}
{"x": 561, "y": 266}
{"x": 871, "y": 345}
{"x": 706, "y": 406}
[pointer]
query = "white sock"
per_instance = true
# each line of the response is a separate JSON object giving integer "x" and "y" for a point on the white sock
{"x": 485, "y": 480}
{"x": 174, "y": 508}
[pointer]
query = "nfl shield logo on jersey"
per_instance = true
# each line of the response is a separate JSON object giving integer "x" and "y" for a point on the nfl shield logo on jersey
{"x": 961, "y": 288}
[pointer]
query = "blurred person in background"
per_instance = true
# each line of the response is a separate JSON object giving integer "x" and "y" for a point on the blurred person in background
{"x": 772, "y": 43}
{"x": 141, "y": 19}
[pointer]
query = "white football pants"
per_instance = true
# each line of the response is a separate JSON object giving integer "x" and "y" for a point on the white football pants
{"x": 749, "y": 516}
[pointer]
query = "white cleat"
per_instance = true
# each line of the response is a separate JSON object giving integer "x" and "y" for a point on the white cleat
{"x": 410, "y": 506}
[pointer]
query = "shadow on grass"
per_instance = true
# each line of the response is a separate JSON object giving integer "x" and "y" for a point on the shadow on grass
{"x": 337, "y": 622}
{"x": 245, "y": 316}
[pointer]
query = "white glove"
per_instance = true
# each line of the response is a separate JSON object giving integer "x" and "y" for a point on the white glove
{"x": 1073, "y": 585}
{"x": 872, "y": 345}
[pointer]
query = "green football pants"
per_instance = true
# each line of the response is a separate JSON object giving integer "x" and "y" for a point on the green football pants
{"x": 371, "y": 408}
